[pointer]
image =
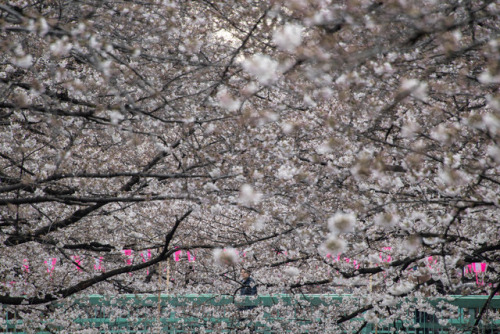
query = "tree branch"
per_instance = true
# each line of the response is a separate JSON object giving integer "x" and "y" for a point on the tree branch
{"x": 63, "y": 293}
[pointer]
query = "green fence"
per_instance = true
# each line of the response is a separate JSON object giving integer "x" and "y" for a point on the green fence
{"x": 208, "y": 313}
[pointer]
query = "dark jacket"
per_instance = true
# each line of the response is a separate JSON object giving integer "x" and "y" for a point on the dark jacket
{"x": 248, "y": 287}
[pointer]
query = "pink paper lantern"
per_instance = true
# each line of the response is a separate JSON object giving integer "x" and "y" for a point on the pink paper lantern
{"x": 98, "y": 264}
{"x": 51, "y": 264}
{"x": 26, "y": 265}
{"x": 177, "y": 256}
{"x": 146, "y": 258}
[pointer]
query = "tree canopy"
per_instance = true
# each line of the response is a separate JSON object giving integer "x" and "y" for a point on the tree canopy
{"x": 320, "y": 143}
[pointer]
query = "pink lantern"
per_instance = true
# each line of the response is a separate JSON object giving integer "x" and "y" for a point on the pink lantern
{"x": 479, "y": 267}
{"x": 51, "y": 264}
{"x": 98, "y": 264}
{"x": 26, "y": 266}
{"x": 177, "y": 256}
{"x": 78, "y": 262}
{"x": 384, "y": 256}
{"x": 129, "y": 254}
{"x": 431, "y": 261}
{"x": 146, "y": 258}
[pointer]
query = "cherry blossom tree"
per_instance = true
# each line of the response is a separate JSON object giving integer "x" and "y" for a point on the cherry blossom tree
{"x": 326, "y": 145}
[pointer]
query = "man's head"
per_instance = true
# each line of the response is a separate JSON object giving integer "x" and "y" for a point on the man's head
{"x": 244, "y": 273}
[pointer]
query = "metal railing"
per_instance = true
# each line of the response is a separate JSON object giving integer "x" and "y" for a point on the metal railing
{"x": 207, "y": 313}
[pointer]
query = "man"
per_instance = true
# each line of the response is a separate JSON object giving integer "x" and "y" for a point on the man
{"x": 248, "y": 287}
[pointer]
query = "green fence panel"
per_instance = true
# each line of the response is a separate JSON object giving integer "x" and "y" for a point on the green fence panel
{"x": 211, "y": 313}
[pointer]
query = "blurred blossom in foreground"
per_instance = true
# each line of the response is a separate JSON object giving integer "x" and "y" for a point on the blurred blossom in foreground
{"x": 386, "y": 220}
{"x": 289, "y": 37}
{"x": 226, "y": 256}
{"x": 401, "y": 288}
{"x": 292, "y": 271}
{"x": 262, "y": 68}
{"x": 248, "y": 196}
{"x": 341, "y": 223}
{"x": 332, "y": 245}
